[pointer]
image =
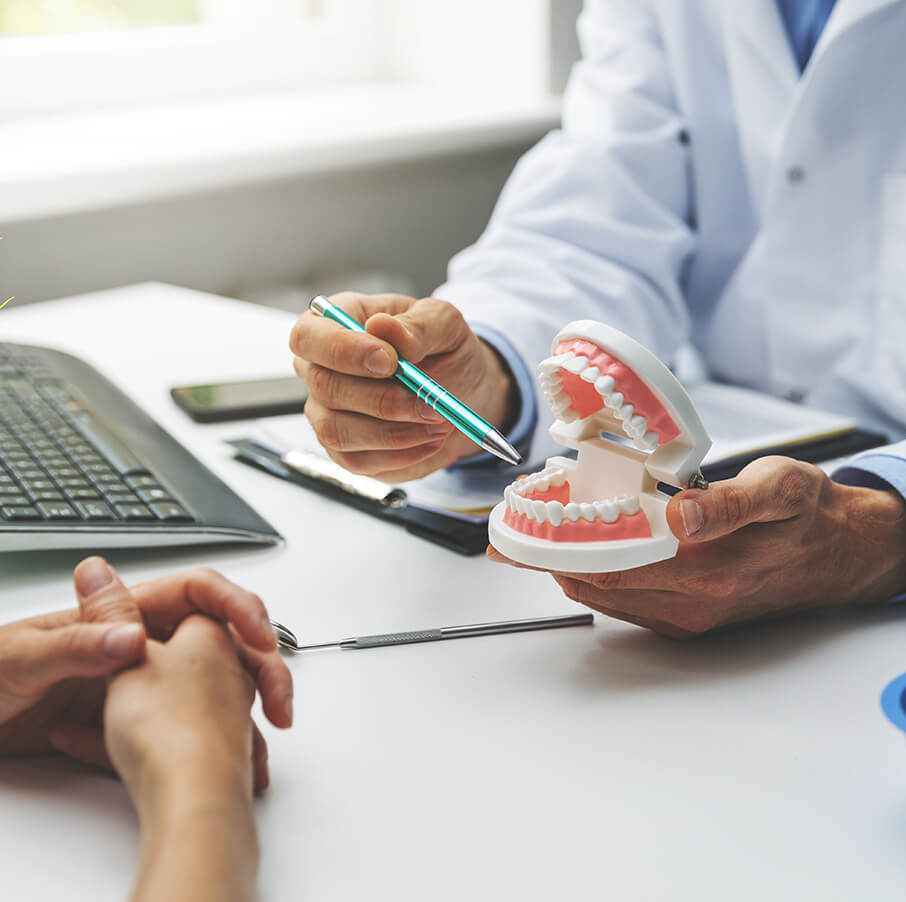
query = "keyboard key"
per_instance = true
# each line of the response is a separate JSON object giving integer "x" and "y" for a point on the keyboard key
{"x": 133, "y": 512}
{"x": 171, "y": 512}
{"x": 57, "y": 510}
{"x": 14, "y": 500}
{"x": 122, "y": 459}
{"x": 86, "y": 494}
{"x": 137, "y": 482}
{"x": 121, "y": 497}
{"x": 45, "y": 495}
{"x": 19, "y": 512}
{"x": 94, "y": 510}
{"x": 156, "y": 494}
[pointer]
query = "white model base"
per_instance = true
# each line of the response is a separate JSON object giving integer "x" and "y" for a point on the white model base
{"x": 577, "y": 557}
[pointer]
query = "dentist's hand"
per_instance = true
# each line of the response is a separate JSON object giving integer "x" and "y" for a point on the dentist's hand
{"x": 366, "y": 421}
{"x": 780, "y": 537}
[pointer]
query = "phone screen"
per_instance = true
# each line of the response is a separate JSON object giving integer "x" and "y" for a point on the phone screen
{"x": 238, "y": 400}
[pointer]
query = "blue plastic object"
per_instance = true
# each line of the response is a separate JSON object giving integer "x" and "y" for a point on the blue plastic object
{"x": 893, "y": 702}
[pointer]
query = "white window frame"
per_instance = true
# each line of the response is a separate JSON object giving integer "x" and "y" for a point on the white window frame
{"x": 58, "y": 74}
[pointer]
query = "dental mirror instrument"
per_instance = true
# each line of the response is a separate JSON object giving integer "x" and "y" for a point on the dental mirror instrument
{"x": 287, "y": 639}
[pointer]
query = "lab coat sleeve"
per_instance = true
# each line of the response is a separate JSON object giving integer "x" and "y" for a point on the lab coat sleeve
{"x": 883, "y": 468}
{"x": 594, "y": 221}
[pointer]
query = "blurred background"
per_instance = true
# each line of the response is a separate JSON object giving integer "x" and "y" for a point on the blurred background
{"x": 264, "y": 149}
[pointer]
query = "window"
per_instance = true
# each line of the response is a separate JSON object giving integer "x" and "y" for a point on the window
{"x": 60, "y": 56}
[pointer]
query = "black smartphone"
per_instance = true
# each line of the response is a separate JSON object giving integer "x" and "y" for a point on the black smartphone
{"x": 223, "y": 401}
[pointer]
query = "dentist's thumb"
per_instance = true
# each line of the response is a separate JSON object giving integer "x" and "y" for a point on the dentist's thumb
{"x": 768, "y": 490}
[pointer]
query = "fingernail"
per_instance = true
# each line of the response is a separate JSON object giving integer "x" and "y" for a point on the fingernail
{"x": 691, "y": 512}
{"x": 92, "y": 576}
{"x": 122, "y": 640}
{"x": 438, "y": 428}
{"x": 288, "y": 708}
{"x": 426, "y": 413}
{"x": 378, "y": 363}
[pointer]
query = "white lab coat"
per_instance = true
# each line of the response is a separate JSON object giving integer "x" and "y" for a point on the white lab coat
{"x": 701, "y": 190}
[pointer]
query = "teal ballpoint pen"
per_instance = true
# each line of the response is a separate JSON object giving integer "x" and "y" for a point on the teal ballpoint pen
{"x": 434, "y": 395}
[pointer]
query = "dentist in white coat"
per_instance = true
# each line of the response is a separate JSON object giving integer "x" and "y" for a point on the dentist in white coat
{"x": 731, "y": 174}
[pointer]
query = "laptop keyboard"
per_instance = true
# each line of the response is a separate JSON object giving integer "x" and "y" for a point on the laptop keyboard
{"x": 59, "y": 462}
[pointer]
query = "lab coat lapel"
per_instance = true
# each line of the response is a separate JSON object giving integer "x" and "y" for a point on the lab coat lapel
{"x": 764, "y": 80}
{"x": 845, "y": 14}
{"x": 798, "y": 136}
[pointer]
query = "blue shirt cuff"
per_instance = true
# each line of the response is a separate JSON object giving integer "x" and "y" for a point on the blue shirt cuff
{"x": 520, "y": 436}
{"x": 876, "y": 471}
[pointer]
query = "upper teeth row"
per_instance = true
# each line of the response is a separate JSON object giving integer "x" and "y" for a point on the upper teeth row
{"x": 540, "y": 482}
{"x": 555, "y": 512}
{"x": 635, "y": 426}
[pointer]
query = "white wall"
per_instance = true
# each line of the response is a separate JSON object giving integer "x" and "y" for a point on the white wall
{"x": 406, "y": 219}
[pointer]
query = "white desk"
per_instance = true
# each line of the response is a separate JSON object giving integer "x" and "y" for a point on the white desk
{"x": 601, "y": 763}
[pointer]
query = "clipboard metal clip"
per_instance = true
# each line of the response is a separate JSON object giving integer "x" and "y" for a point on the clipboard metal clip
{"x": 315, "y": 466}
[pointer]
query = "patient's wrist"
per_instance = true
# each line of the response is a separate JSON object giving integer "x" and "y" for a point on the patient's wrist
{"x": 183, "y": 784}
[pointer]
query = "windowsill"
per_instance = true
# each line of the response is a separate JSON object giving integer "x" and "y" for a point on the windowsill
{"x": 76, "y": 163}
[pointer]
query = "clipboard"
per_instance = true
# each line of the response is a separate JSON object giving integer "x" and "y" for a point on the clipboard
{"x": 468, "y": 535}
{"x": 464, "y": 535}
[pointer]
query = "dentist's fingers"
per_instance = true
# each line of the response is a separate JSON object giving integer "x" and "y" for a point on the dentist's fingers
{"x": 343, "y": 432}
{"x": 429, "y": 326}
{"x": 384, "y": 465}
{"x": 770, "y": 489}
{"x": 166, "y": 601}
{"x": 321, "y": 341}
{"x": 384, "y": 400}
{"x": 101, "y": 593}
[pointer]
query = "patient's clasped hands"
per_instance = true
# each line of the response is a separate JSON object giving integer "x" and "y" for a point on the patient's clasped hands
{"x": 58, "y": 670}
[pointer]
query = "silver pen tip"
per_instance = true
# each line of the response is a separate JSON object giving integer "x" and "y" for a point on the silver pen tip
{"x": 500, "y": 447}
{"x": 318, "y": 304}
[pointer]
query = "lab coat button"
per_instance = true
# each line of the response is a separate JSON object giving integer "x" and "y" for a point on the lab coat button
{"x": 795, "y": 174}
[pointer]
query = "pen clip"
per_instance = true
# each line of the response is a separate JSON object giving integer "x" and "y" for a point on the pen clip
{"x": 313, "y": 465}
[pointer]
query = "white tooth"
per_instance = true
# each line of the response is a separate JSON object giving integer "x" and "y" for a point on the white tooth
{"x": 614, "y": 400}
{"x": 624, "y": 412}
{"x": 551, "y": 364}
{"x": 572, "y": 510}
{"x": 521, "y": 505}
{"x": 555, "y": 512}
{"x": 639, "y": 425}
{"x": 558, "y": 477}
{"x": 568, "y": 415}
{"x": 588, "y": 511}
{"x": 539, "y": 511}
{"x": 605, "y": 385}
{"x": 590, "y": 374}
{"x": 629, "y": 504}
{"x": 543, "y": 484}
{"x": 646, "y": 442}
{"x": 576, "y": 365}
{"x": 608, "y": 510}
{"x": 508, "y": 496}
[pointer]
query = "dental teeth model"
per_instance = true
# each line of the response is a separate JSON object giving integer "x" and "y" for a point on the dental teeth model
{"x": 603, "y": 511}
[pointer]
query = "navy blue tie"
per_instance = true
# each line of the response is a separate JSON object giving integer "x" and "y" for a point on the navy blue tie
{"x": 805, "y": 20}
